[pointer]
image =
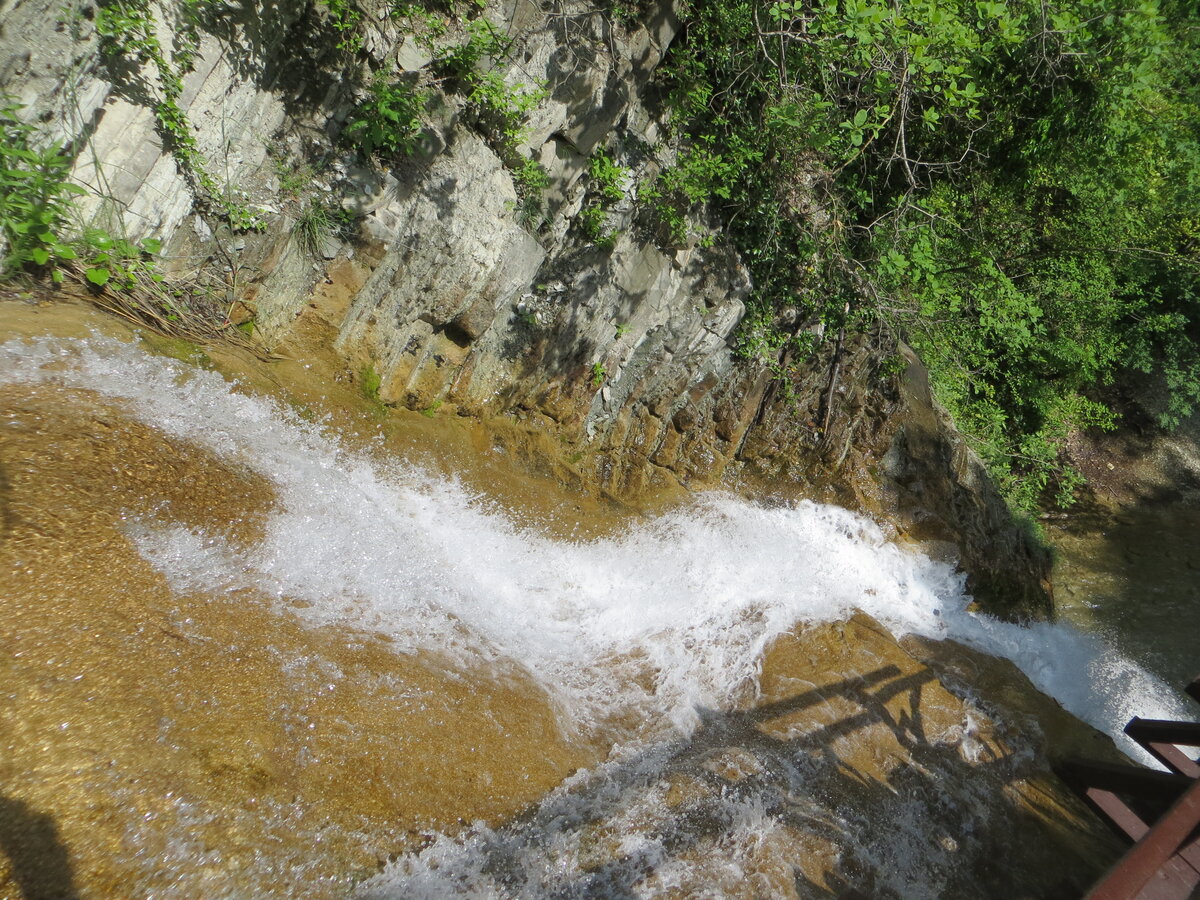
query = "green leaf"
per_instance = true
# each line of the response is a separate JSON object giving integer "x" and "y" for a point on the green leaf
{"x": 40, "y": 255}
{"x": 98, "y": 276}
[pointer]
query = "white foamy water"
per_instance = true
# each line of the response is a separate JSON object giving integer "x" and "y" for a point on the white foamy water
{"x": 687, "y": 602}
{"x": 695, "y": 595}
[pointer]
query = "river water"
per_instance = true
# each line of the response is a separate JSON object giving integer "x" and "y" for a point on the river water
{"x": 218, "y": 610}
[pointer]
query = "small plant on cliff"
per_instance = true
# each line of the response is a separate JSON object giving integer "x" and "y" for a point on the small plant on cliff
{"x": 607, "y": 178}
{"x": 531, "y": 181}
{"x": 424, "y": 25}
{"x": 627, "y": 12}
{"x": 592, "y": 219}
{"x": 345, "y": 18}
{"x": 606, "y": 186}
{"x": 484, "y": 44}
{"x": 315, "y": 225}
{"x": 36, "y": 214}
{"x": 599, "y": 373}
{"x": 116, "y": 262}
{"x": 39, "y": 236}
{"x": 501, "y": 110}
{"x": 293, "y": 177}
{"x": 35, "y": 197}
{"x": 389, "y": 119}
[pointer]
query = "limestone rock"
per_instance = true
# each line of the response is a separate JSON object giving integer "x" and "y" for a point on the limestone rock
{"x": 492, "y": 301}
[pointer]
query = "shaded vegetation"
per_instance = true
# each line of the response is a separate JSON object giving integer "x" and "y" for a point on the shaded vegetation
{"x": 1011, "y": 186}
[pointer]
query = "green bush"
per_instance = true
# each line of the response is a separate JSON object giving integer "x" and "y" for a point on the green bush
{"x": 1012, "y": 186}
{"x": 35, "y": 197}
{"x": 389, "y": 119}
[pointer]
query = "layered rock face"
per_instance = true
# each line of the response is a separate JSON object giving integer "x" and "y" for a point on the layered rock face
{"x": 453, "y": 293}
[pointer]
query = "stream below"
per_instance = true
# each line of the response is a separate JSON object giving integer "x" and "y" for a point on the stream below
{"x": 248, "y": 652}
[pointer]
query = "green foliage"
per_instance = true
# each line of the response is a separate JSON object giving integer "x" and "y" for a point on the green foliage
{"x": 599, "y": 373}
{"x": 608, "y": 178}
{"x": 531, "y": 181}
{"x": 593, "y": 221}
{"x": 345, "y": 18}
{"x": 35, "y": 196}
{"x": 484, "y": 45}
{"x": 701, "y": 173}
{"x": 626, "y": 12}
{"x": 294, "y": 178}
{"x": 425, "y": 25}
{"x": 1069, "y": 269}
{"x": 606, "y": 187}
{"x": 500, "y": 110}
{"x": 36, "y": 216}
{"x": 389, "y": 119}
{"x": 117, "y": 263}
{"x": 1011, "y": 185}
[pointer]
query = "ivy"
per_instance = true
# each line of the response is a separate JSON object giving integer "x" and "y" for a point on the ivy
{"x": 128, "y": 31}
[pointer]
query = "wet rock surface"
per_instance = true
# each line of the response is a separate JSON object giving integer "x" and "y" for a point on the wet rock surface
{"x": 1128, "y": 563}
{"x": 201, "y": 741}
{"x": 852, "y": 769}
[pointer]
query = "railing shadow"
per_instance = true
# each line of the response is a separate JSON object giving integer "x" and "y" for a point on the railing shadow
{"x": 885, "y": 830}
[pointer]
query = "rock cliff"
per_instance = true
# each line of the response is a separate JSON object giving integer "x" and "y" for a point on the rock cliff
{"x": 456, "y": 286}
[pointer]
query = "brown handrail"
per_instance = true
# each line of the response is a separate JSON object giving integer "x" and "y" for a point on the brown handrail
{"x": 1164, "y": 863}
{"x": 1162, "y": 738}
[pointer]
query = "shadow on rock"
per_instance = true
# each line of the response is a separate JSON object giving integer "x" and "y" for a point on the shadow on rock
{"x": 847, "y": 778}
{"x": 38, "y": 863}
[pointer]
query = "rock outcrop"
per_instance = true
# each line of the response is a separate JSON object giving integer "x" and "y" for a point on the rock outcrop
{"x": 464, "y": 296}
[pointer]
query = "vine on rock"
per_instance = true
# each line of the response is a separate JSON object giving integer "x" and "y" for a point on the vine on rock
{"x": 129, "y": 31}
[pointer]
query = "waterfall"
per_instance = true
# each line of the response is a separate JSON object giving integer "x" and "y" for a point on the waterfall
{"x": 658, "y": 624}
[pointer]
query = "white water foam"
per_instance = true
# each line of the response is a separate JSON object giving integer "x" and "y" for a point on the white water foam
{"x": 693, "y": 597}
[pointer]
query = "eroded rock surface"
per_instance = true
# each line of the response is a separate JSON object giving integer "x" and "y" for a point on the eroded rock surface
{"x": 852, "y": 771}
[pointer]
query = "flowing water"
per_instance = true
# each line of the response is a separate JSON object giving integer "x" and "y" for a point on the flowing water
{"x": 244, "y": 657}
